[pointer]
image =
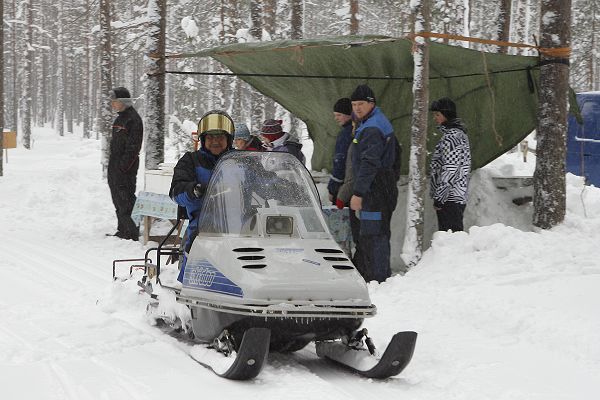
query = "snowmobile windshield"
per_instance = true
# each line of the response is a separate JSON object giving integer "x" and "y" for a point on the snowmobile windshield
{"x": 261, "y": 194}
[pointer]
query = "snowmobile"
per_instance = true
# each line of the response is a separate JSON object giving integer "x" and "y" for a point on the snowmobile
{"x": 264, "y": 274}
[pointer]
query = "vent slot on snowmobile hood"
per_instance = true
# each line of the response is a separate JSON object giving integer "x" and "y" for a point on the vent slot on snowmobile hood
{"x": 254, "y": 266}
{"x": 248, "y": 249}
{"x": 341, "y": 266}
{"x": 335, "y": 258}
{"x": 251, "y": 258}
{"x": 329, "y": 251}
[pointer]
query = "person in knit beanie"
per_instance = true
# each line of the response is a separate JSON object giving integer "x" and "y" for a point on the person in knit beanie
{"x": 123, "y": 162}
{"x": 375, "y": 171}
{"x": 342, "y": 113}
{"x": 275, "y": 139}
{"x": 450, "y": 166}
{"x": 244, "y": 140}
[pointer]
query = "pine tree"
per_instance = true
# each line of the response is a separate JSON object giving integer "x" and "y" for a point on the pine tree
{"x": 256, "y": 27}
{"x": 1, "y": 87}
{"x": 584, "y": 65}
{"x": 86, "y": 84}
{"x": 549, "y": 178}
{"x": 354, "y": 22}
{"x": 13, "y": 90}
{"x": 27, "y": 81}
{"x": 155, "y": 83}
{"x": 504, "y": 23}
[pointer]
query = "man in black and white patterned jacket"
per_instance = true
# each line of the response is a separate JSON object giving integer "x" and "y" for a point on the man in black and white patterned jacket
{"x": 450, "y": 167}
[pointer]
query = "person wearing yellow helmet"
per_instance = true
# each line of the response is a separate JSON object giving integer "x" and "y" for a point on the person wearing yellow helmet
{"x": 194, "y": 170}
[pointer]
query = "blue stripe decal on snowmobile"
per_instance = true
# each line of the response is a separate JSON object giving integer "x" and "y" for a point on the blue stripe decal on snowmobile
{"x": 204, "y": 276}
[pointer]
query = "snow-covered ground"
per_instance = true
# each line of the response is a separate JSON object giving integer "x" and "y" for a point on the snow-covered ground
{"x": 502, "y": 313}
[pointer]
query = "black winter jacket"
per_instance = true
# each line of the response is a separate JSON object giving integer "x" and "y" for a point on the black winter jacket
{"x": 126, "y": 142}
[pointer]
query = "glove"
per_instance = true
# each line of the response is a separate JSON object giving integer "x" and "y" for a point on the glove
{"x": 199, "y": 190}
{"x": 339, "y": 203}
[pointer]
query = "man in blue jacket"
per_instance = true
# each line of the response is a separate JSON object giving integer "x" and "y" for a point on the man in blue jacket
{"x": 342, "y": 113}
{"x": 376, "y": 168}
{"x": 194, "y": 170}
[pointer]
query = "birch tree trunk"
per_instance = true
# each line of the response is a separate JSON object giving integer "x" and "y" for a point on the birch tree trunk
{"x": 549, "y": 178}
{"x": 27, "y": 77}
{"x": 105, "y": 122}
{"x": 155, "y": 84}
{"x": 412, "y": 249}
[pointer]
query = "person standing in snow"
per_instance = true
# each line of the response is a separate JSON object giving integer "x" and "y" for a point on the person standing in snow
{"x": 375, "y": 170}
{"x": 244, "y": 140}
{"x": 450, "y": 167}
{"x": 123, "y": 162}
{"x": 275, "y": 139}
{"x": 342, "y": 113}
{"x": 194, "y": 170}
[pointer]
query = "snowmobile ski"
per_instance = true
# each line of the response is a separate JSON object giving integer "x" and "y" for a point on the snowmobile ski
{"x": 249, "y": 359}
{"x": 395, "y": 358}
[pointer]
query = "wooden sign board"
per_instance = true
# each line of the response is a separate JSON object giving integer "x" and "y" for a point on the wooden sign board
{"x": 10, "y": 140}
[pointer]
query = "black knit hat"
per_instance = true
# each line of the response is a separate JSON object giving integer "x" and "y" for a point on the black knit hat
{"x": 343, "y": 106}
{"x": 444, "y": 106}
{"x": 364, "y": 93}
{"x": 119, "y": 93}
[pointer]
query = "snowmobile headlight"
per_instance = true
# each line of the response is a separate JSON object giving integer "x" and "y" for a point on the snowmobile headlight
{"x": 278, "y": 225}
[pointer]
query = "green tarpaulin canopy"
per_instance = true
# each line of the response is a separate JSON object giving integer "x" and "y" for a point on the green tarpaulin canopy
{"x": 494, "y": 93}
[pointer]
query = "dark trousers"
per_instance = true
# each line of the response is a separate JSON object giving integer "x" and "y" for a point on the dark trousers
{"x": 372, "y": 240}
{"x": 451, "y": 217}
{"x": 357, "y": 258}
{"x": 122, "y": 191}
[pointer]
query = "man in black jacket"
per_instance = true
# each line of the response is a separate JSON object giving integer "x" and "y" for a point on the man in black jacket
{"x": 123, "y": 163}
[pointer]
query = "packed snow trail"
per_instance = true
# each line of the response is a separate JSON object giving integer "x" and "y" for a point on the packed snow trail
{"x": 501, "y": 313}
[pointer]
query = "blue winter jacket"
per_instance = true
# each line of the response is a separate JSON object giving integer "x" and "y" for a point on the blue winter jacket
{"x": 193, "y": 168}
{"x": 375, "y": 153}
{"x": 338, "y": 173}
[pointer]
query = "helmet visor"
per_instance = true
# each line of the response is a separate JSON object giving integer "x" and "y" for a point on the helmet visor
{"x": 215, "y": 124}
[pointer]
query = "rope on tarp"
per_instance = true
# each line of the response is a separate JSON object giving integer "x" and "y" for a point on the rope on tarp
{"x": 493, "y": 100}
{"x": 403, "y": 78}
{"x": 555, "y": 52}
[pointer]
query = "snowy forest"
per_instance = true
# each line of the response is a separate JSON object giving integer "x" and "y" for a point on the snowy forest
{"x": 506, "y": 309}
{"x": 54, "y": 70}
